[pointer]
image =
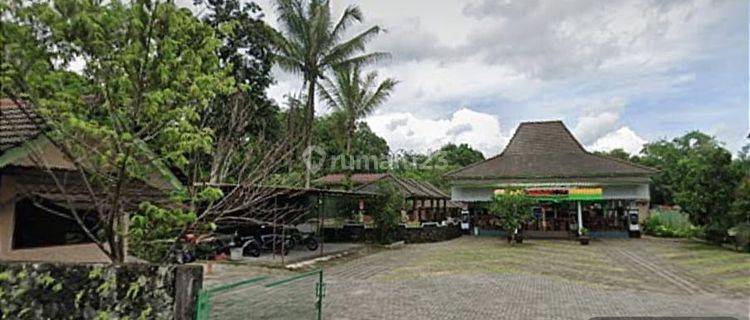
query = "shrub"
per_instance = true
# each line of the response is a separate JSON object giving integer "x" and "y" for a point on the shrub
{"x": 671, "y": 224}
{"x": 389, "y": 213}
{"x": 741, "y": 233}
{"x": 715, "y": 232}
{"x": 514, "y": 209}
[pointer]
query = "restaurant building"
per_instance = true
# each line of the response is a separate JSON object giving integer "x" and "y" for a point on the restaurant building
{"x": 575, "y": 189}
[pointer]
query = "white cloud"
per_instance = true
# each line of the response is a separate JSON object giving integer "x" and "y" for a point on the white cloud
{"x": 598, "y": 120}
{"x": 405, "y": 131}
{"x": 622, "y": 138}
{"x": 532, "y": 60}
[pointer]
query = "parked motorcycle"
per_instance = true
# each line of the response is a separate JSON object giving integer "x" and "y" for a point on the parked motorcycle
{"x": 204, "y": 246}
{"x": 308, "y": 239}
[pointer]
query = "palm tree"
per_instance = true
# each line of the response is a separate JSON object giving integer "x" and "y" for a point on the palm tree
{"x": 354, "y": 96}
{"x": 310, "y": 43}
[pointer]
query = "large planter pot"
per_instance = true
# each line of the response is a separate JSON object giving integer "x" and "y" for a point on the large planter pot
{"x": 584, "y": 240}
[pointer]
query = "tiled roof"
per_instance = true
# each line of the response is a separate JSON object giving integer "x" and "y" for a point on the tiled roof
{"x": 547, "y": 150}
{"x": 356, "y": 178}
{"x": 411, "y": 188}
{"x": 36, "y": 182}
{"x": 18, "y": 124}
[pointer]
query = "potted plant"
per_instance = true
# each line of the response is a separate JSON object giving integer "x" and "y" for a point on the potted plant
{"x": 584, "y": 236}
{"x": 513, "y": 209}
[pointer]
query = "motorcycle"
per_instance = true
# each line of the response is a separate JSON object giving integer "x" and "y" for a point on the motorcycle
{"x": 204, "y": 246}
{"x": 306, "y": 238}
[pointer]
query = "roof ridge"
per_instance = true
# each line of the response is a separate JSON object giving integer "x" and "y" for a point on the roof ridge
{"x": 624, "y": 162}
{"x": 490, "y": 158}
{"x": 540, "y": 122}
{"x": 574, "y": 137}
{"x": 510, "y": 141}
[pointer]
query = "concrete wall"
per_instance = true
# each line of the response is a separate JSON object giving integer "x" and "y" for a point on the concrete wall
{"x": 72, "y": 253}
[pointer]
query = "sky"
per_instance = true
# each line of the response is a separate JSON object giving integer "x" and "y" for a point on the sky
{"x": 618, "y": 73}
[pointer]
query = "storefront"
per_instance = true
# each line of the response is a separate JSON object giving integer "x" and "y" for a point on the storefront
{"x": 575, "y": 189}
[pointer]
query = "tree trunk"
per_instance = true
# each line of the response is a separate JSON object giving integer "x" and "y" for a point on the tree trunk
{"x": 291, "y": 136}
{"x": 349, "y": 134}
{"x": 309, "y": 118}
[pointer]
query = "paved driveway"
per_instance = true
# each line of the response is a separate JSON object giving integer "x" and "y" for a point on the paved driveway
{"x": 485, "y": 278}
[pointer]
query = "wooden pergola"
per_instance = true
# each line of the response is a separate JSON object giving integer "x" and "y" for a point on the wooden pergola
{"x": 427, "y": 202}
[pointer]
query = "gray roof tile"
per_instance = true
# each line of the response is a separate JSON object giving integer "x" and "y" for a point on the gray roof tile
{"x": 18, "y": 124}
{"x": 547, "y": 150}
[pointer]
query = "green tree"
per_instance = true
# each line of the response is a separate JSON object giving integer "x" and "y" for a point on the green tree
{"x": 366, "y": 145}
{"x": 366, "y": 142}
{"x": 433, "y": 167}
{"x": 697, "y": 174}
{"x": 387, "y": 216}
{"x": 246, "y": 117}
{"x": 513, "y": 209}
{"x": 354, "y": 97}
{"x": 741, "y": 164}
{"x": 663, "y": 155}
{"x": 310, "y": 42}
{"x": 617, "y": 153}
{"x": 459, "y": 155}
{"x": 150, "y": 69}
{"x": 741, "y": 204}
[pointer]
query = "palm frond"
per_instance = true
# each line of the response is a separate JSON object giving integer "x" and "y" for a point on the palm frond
{"x": 379, "y": 96}
{"x": 329, "y": 92}
{"x": 354, "y": 45}
{"x": 364, "y": 59}
{"x": 351, "y": 15}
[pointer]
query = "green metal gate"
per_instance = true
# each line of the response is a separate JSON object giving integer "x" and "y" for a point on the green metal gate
{"x": 296, "y": 297}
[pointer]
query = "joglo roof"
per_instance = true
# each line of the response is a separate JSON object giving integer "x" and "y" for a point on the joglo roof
{"x": 547, "y": 150}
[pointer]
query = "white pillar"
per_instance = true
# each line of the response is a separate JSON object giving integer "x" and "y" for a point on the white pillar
{"x": 580, "y": 218}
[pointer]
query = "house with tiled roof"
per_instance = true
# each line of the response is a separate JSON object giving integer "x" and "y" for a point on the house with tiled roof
{"x": 39, "y": 185}
{"x": 424, "y": 201}
{"x": 575, "y": 188}
{"x": 339, "y": 180}
{"x": 27, "y": 232}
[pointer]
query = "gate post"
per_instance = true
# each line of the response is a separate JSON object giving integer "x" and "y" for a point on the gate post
{"x": 320, "y": 292}
{"x": 204, "y": 306}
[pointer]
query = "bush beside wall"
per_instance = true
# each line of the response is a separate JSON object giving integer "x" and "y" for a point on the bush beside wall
{"x": 97, "y": 291}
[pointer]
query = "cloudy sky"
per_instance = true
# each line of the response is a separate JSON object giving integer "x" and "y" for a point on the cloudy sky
{"x": 618, "y": 73}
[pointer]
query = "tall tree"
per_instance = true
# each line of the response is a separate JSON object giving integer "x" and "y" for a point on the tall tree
{"x": 136, "y": 116}
{"x": 697, "y": 174}
{"x": 372, "y": 148}
{"x": 617, "y": 153}
{"x": 150, "y": 68}
{"x": 459, "y": 155}
{"x": 354, "y": 96}
{"x": 246, "y": 116}
{"x": 310, "y": 42}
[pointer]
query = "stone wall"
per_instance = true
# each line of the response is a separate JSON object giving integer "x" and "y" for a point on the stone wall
{"x": 98, "y": 291}
{"x": 358, "y": 233}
